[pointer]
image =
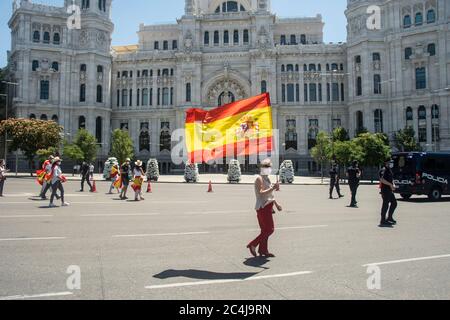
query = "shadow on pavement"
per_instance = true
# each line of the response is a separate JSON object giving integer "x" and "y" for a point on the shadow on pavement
{"x": 257, "y": 262}
{"x": 204, "y": 275}
{"x": 424, "y": 200}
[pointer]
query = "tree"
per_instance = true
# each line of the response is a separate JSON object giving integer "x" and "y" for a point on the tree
{"x": 83, "y": 148}
{"x": 347, "y": 151}
{"x": 375, "y": 149}
{"x": 29, "y": 136}
{"x": 405, "y": 140}
{"x": 44, "y": 154}
{"x": 360, "y": 131}
{"x": 321, "y": 151}
{"x": 121, "y": 145}
{"x": 340, "y": 134}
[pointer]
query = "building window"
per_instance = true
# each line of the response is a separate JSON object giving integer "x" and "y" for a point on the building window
{"x": 312, "y": 67}
{"x": 290, "y": 93}
{"x": 171, "y": 96}
{"x": 206, "y": 38}
{"x": 81, "y": 122}
{"x": 36, "y": 36}
{"x": 297, "y": 92}
{"x": 85, "y": 4}
{"x": 165, "y": 96}
{"x": 83, "y": 68}
{"x": 32, "y": 116}
{"x": 99, "y": 94}
{"x": 138, "y": 97}
{"x": 99, "y": 69}
{"x": 291, "y": 134}
{"x": 45, "y": 89}
{"x": 83, "y": 93}
{"x": 376, "y": 56}
{"x": 124, "y": 126}
{"x": 165, "y": 137}
{"x": 118, "y": 98}
{"x": 312, "y": 92}
{"x": 131, "y": 98}
{"x": 55, "y": 118}
{"x": 166, "y": 45}
{"x": 263, "y": 86}
{"x": 334, "y": 67}
{"x": 236, "y": 37}
{"x": 359, "y": 86}
{"x": 409, "y": 117}
{"x": 145, "y": 97}
{"x": 144, "y": 137}
{"x": 246, "y": 37}
{"x": 305, "y": 92}
{"x": 407, "y": 21}
{"x": 359, "y": 121}
{"x": 226, "y": 37}
{"x": 56, "y": 39}
{"x": 320, "y": 92}
{"x": 435, "y": 123}
{"x": 378, "y": 120}
{"x": 156, "y": 45}
{"x": 283, "y": 68}
{"x": 431, "y": 16}
{"x": 328, "y": 92}
{"x": 293, "y": 39}
{"x": 283, "y": 40}
{"x": 419, "y": 19}
{"x": 150, "y": 97}
{"x": 216, "y": 38}
{"x": 46, "y": 37}
{"x": 335, "y": 92}
{"x": 283, "y": 93}
{"x": 421, "y": 78}
{"x": 422, "y": 118}
{"x": 124, "y": 97}
{"x": 303, "y": 39}
{"x": 188, "y": 92}
{"x": 158, "y": 97}
{"x": 313, "y": 131}
{"x": 342, "y": 92}
{"x": 377, "y": 84}
{"x": 174, "y": 44}
{"x": 98, "y": 129}
{"x": 35, "y": 65}
{"x": 357, "y": 60}
{"x": 290, "y": 68}
{"x": 431, "y": 49}
{"x": 44, "y": 117}
{"x": 408, "y": 53}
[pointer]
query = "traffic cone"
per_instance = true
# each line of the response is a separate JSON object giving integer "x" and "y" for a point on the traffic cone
{"x": 94, "y": 187}
{"x": 149, "y": 187}
{"x": 210, "y": 188}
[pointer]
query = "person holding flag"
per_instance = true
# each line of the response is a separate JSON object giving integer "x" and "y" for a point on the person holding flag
{"x": 115, "y": 178}
{"x": 125, "y": 177}
{"x": 57, "y": 182}
{"x": 47, "y": 178}
{"x": 41, "y": 173}
{"x": 138, "y": 180}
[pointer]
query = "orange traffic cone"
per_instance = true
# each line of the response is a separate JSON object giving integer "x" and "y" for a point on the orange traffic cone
{"x": 149, "y": 187}
{"x": 94, "y": 187}
{"x": 210, "y": 188}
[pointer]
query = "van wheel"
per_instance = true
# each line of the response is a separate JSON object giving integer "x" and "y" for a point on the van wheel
{"x": 406, "y": 196}
{"x": 435, "y": 194}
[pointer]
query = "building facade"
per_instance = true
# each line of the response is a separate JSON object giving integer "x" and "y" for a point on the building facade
{"x": 219, "y": 51}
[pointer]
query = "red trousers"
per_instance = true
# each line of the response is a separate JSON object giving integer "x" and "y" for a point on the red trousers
{"x": 265, "y": 219}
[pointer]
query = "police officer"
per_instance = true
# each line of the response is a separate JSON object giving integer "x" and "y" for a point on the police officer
{"x": 85, "y": 176}
{"x": 353, "y": 174}
{"x": 334, "y": 180}
{"x": 387, "y": 193}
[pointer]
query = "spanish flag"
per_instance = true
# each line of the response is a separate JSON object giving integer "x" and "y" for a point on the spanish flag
{"x": 240, "y": 128}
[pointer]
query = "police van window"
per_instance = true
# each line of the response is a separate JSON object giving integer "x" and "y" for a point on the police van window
{"x": 429, "y": 165}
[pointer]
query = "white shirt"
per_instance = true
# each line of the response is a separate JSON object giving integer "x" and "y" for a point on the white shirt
{"x": 56, "y": 174}
{"x": 137, "y": 172}
{"x": 91, "y": 168}
{"x": 2, "y": 171}
{"x": 48, "y": 168}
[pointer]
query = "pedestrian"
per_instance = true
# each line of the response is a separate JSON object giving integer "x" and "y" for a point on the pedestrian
{"x": 47, "y": 178}
{"x": 2, "y": 175}
{"x": 125, "y": 175}
{"x": 57, "y": 182}
{"x": 334, "y": 180}
{"x": 265, "y": 201}
{"x": 115, "y": 176}
{"x": 387, "y": 194}
{"x": 353, "y": 175}
{"x": 85, "y": 176}
{"x": 138, "y": 180}
{"x": 91, "y": 170}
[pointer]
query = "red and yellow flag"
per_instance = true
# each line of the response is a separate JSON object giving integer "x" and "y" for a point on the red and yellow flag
{"x": 240, "y": 128}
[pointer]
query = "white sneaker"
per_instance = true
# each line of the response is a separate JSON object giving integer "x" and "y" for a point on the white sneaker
{"x": 65, "y": 204}
{"x": 52, "y": 205}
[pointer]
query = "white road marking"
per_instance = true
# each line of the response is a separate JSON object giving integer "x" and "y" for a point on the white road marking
{"x": 216, "y": 212}
{"x": 34, "y": 296}
{"x": 209, "y": 282}
{"x": 159, "y": 235}
{"x": 30, "y": 239}
{"x": 407, "y": 260}
{"x": 293, "y": 228}
{"x": 121, "y": 215}
{"x": 27, "y": 216}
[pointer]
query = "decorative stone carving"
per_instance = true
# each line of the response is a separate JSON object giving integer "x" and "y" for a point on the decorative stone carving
{"x": 225, "y": 86}
{"x": 188, "y": 42}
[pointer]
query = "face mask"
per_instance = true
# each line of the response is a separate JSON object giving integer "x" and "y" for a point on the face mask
{"x": 391, "y": 165}
{"x": 266, "y": 171}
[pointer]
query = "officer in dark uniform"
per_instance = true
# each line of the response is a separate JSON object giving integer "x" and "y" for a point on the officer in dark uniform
{"x": 334, "y": 180}
{"x": 353, "y": 174}
{"x": 85, "y": 176}
{"x": 387, "y": 193}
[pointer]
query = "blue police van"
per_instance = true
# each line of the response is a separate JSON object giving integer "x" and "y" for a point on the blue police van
{"x": 422, "y": 173}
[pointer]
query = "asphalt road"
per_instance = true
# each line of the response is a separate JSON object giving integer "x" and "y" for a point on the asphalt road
{"x": 185, "y": 243}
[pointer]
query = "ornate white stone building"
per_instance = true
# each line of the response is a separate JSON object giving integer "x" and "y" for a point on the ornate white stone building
{"x": 220, "y": 51}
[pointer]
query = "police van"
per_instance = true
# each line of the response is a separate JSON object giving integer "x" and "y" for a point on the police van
{"x": 422, "y": 173}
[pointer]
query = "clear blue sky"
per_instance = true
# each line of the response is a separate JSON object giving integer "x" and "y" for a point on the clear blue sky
{"x": 128, "y": 14}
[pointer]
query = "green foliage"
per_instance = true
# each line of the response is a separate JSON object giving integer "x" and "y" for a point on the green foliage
{"x": 347, "y": 151}
{"x": 321, "y": 152}
{"x": 44, "y": 154}
{"x": 340, "y": 134}
{"x": 29, "y": 135}
{"x": 375, "y": 149}
{"x": 405, "y": 140}
{"x": 121, "y": 145}
{"x": 83, "y": 148}
{"x": 361, "y": 131}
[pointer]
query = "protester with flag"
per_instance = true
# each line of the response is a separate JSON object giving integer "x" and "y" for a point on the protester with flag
{"x": 115, "y": 178}
{"x": 57, "y": 182}
{"x": 265, "y": 201}
{"x": 138, "y": 180}
{"x": 47, "y": 178}
{"x": 125, "y": 177}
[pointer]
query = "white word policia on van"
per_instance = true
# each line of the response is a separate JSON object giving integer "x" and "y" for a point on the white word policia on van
{"x": 433, "y": 178}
